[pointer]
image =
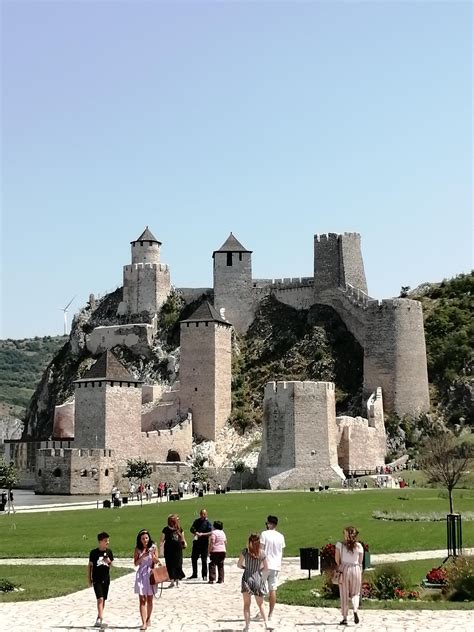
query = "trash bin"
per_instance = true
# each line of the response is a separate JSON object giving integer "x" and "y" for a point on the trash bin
{"x": 175, "y": 496}
{"x": 106, "y": 504}
{"x": 218, "y": 491}
{"x": 181, "y": 493}
{"x": 200, "y": 493}
{"x": 117, "y": 503}
{"x": 228, "y": 489}
{"x": 2, "y": 507}
{"x": 125, "y": 500}
{"x": 311, "y": 489}
{"x": 222, "y": 491}
{"x": 309, "y": 560}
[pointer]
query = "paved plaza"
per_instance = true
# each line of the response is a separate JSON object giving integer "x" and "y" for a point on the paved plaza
{"x": 199, "y": 607}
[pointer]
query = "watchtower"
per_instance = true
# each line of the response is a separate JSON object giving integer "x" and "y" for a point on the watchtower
{"x": 108, "y": 409}
{"x": 146, "y": 282}
{"x": 338, "y": 262}
{"x": 205, "y": 370}
{"x": 233, "y": 283}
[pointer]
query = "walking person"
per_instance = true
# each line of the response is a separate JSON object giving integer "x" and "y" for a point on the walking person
{"x": 253, "y": 561}
{"x": 11, "y": 502}
{"x": 98, "y": 573}
{"x": 145, "y": 557}
{"x": 273, "y": 543}
{"x": 172, "y": 539}
{"x": 349, "y": 556}
{"x": 201, "y": 530}
{"x": 217, "y": 551}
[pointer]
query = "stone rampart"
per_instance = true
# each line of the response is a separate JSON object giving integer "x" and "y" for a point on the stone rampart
{"x": 73, "y": 471}
{"x": 156, "y": 445}
{"x": 136, "y": 337}
{"x": 299, "y": 435}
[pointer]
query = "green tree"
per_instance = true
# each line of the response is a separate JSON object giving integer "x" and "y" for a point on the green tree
{"x": 445, "y": 461}
{"x": 198, "y": 470}
{"x": 8, "y": 478}
{"x": 138, "y": 470}
{"x": 240, "y": 468}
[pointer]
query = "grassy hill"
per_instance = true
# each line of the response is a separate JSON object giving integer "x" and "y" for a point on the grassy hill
{"x": 22, "y": 363}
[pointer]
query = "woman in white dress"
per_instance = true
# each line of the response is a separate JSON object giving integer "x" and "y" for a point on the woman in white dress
{"x": 349, "y": 556}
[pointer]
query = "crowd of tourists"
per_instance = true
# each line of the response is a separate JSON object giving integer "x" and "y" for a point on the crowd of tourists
{"x": 146, "y": 491}
{"x": 260, "y": 561}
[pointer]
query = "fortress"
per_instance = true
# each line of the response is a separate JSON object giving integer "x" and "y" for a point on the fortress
{"x": 115, "y": 417}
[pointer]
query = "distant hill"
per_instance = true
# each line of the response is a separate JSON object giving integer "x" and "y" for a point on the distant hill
{"x": 22, "y": 363}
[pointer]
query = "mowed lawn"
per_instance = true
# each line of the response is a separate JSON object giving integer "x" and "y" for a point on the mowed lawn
{"x": 306, "y": 519}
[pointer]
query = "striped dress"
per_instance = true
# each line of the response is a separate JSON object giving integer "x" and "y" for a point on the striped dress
{"x": 252, "y": 580}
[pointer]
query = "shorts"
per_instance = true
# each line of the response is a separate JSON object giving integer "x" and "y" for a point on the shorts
{"x": 101, "y": 590}
{"x": 272, "y": 580}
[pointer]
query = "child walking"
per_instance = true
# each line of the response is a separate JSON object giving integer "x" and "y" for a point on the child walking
{"x": 98, "y": 573}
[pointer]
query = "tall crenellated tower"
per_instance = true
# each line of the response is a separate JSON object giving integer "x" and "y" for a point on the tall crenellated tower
{"x": 205, "y": 370}
{"x": 233, "y": 283}
{"x": 108, "y": 409}
{"x": 338, "y": 262}
{"x": 146, "y": 282}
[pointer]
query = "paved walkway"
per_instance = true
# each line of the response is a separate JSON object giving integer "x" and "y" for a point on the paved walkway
{"x": 199, "y": 607}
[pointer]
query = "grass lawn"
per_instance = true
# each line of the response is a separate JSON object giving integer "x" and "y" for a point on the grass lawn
{"x": 299, "y": 592}
{"x": 44, "y": 582}
{"x": 306, "y": 519}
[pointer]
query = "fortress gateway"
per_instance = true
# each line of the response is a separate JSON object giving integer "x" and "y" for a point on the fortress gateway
{"x": 114, "y": 416}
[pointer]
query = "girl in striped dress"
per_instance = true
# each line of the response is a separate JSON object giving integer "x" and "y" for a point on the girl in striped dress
{"x": 349, "y": 556}
{"x": 253, "y": 561}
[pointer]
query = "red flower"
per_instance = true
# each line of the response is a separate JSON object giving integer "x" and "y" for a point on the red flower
{"x": 436, "y": 576}
{"x": 328, "y": 551}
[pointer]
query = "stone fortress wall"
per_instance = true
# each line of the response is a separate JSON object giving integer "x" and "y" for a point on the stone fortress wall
{"x": 390, "y": 331}
{"x": 304, "y": 444}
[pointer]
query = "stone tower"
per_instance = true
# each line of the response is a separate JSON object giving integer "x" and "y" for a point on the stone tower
{"x": 299, "y": 441}
{"x": 146, "y": 282}
{"x": 205, "y": 370}
{"x": 233, "y": 283}
{"x": 338, "y": 261}
{"x": 108, "y": 409}
{"x": 395, "y": 355}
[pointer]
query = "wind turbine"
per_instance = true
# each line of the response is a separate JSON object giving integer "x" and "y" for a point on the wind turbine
{"x": 64, "y": 309}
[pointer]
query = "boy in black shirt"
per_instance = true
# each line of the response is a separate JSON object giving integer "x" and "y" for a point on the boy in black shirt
{"x": 98, "y": 573}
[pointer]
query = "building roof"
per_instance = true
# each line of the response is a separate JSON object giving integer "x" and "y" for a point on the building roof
{"x": 108, "y": 368}
{"x": 147, "y": 235}
{"x": 231, "y": 244}
{"x": 205, "y": 313}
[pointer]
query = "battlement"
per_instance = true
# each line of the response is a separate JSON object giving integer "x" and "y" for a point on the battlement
{"x": 334, "y": 237}
{"x": 291, "y": 386}
{"x": 283, "y": 283}
{"x": 161, "y": 267}
{"x": 395, "y": 304}
{"x": 75, "y": 452}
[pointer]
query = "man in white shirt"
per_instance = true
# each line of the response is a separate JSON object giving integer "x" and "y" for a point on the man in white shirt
{"x": 273, "y": 543}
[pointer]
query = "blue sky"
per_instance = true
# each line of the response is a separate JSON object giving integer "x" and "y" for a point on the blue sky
{"x": 274, "y": 120}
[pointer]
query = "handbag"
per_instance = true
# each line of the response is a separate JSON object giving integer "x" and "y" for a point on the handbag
{"x": 336, "y": 576}
{"x": 158, "y": 575}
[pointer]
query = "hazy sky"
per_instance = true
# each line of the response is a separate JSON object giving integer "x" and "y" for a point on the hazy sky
{"x": 274, "y": 120}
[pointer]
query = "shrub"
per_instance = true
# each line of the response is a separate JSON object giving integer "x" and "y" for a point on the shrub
{"x": 328, "y": 552}
{"x": 387, "y": 579}
{"x": 330, "y": 590}
{"x": 6, "y": 585}
{"x": 436, "y": 576}
{"x": 460, "y": 579}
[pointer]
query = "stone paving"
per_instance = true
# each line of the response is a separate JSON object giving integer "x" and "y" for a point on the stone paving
{"x": 198, "y": 607}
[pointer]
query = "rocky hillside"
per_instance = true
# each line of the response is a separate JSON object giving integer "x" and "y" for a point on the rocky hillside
{"x": 282, "y": 343}
{"x": 22, "y": 363}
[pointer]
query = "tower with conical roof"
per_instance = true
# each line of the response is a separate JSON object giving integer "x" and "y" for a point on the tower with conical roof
{"x": 108, "y": 409}
{"x": 146, "y": 281}
{"x": 205, "y": 370}
{"x": 233, "y": 283}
